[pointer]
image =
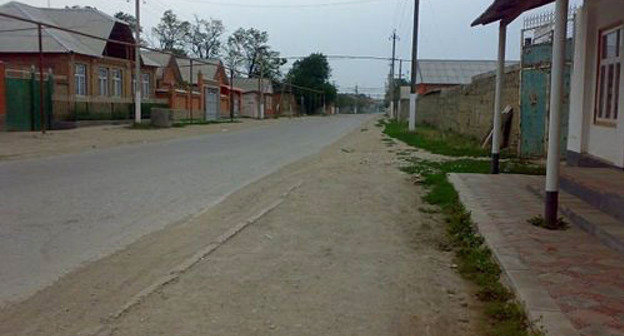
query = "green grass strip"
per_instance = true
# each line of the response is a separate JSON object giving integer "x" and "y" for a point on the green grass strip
{"x": 505, "y": 317}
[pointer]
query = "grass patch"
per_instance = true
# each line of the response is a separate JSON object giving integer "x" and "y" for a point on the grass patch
{"x": 539, "y": 221}
{"x": 504, "y": 315}
{"x": 143, "y": 126}
{"x": 205, "y": 122}
{"x": 433, "y": 140}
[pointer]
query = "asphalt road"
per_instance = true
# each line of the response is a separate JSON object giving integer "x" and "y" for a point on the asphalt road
{"x": 58, "y": 213}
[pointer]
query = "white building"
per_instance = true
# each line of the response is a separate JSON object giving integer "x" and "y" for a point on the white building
{"x": 596, "y": 125}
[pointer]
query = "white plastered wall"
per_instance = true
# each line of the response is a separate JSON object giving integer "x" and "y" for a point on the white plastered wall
{"x": 603, "y": 142}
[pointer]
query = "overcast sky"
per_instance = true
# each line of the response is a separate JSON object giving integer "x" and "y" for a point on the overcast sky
{"x": 362, "y": 27}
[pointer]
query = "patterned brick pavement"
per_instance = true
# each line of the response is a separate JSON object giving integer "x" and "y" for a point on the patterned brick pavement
{"x": 583, "y": 277}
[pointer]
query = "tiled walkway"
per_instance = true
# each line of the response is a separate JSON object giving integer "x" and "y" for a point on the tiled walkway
{"x": 569, "y": 279}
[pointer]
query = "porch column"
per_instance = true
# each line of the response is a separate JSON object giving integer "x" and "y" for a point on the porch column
{"x": 554, "y": 125}
{"x": 500, "y": 78}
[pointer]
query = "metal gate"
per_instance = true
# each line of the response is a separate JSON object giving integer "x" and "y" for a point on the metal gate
{"x": 535, "y": 85}
{"x": 22, "y": 104}
{"x": 211, "y": 97}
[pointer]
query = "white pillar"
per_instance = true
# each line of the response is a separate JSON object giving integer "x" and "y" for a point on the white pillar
{"x": 392, "y": 115}
{"x": 398, "y": 109}
{"x": 579, "y": 119}
{"x": 554, "y": 124}
{"x": 498, "y": 96}
{"x": 412, "y": 111}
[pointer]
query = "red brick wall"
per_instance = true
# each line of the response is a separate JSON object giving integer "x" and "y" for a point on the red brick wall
{"x": 2, "y": 97}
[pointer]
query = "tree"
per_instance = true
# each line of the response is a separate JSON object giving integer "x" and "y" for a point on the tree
{"x": 397, "y": 89}
{"x": 172, "y": 33}
{"x": 204, "y": 38}
{"x": 131, "y": 21}
{"x": 312, "y": 72}
{"x": 259, "y": 58}
{"x": 234, "y": 58}
{"x": 127, "y": 18}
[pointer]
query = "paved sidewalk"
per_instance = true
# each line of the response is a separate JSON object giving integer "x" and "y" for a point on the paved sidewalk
{"x": 568, "y": 279}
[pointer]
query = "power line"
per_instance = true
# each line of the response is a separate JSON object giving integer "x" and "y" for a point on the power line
{"x": 326, "y": 4}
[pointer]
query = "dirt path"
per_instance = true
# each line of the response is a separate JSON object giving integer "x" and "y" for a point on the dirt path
{"x": 20, "y": 145}
{"x": 332, "y": 245}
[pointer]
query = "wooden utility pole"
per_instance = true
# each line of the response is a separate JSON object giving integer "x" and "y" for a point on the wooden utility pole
{"x": 137, "y": 65}
{"x": 394, "y": 37}
{"x": 232, "y": 94}
{"x": 413, "y": 92}
{"x": 191, "y": 90}
{"x": 41, "y": 111}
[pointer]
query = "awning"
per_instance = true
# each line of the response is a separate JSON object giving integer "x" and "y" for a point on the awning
{"x": 507, "y": 10}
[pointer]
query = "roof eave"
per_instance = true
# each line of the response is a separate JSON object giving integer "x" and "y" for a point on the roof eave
{"x": 507, "y": 11}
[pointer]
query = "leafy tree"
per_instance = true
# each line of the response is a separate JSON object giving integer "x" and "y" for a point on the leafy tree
{"x": 204, "y": 38}
{"x": 312, "y": 72}
{"x": 259, "y": 58}
{"x": 234, "y": 57}
{"x": 172, "y": 33}
{"x": 127, "y": 18}
{"x": 397, "y": 89}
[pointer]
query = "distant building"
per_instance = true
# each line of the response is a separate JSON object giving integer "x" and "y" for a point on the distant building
{"x": 252, "y": 89}
{"x": 438, "y": 74}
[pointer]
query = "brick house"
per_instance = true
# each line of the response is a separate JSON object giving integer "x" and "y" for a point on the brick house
{"x": 93, "y": 78}
{"x": 252, "y": 89}
{"x": 215, "y": 86}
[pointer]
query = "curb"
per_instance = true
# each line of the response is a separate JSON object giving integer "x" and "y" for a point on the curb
{"x": 540, "y": 307}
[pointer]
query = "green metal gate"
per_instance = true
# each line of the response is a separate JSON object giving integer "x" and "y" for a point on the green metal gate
{"x": 535, "y": 96}
{"x": 23, "y": 101}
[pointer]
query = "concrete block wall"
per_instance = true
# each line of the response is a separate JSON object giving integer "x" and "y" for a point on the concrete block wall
{"x": 467, "y": 109}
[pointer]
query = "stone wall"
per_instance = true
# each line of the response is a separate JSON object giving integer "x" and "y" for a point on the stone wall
{"x": 467, "y": 109}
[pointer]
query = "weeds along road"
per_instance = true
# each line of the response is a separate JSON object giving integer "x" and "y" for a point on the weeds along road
{"x": 60, "y": 212}
{"x": 334, "y": 244}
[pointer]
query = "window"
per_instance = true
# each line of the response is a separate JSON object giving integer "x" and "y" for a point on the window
{"x": 117, "y": 83}
{"x": 103, "y": 81}
{"x": 609, "y": 69}
{"x": 80, "y": 78}
{"x": 145, "y": 85}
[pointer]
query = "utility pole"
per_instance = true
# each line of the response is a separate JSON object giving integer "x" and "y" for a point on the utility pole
{"x": 137, "y": 61}
{"x": 398, "y": 105}
{"x": 191, "y": 90}
{"x": 261, "y": 93}
{"x": 394, "y": 37}
{"x": 41, "y": 112}
{"x": 413, "y": 92}
{"x": 357, "y": 99}
{"x": 232, "y": 94}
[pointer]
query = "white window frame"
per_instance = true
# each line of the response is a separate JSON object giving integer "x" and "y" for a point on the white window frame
{"x": 117, "y": 79}
{"x": 103, "y": 81}
{"x": 145, "y": 85}
{"x": 607, "y": 104}
{"x": 80, "y": 79}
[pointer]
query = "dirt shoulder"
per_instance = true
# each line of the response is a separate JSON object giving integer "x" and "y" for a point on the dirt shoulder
{"x": 344, "y": 251}
{"x": 21, "y": 145}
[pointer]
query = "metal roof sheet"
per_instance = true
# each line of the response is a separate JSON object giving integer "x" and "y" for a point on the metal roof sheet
{"x": 507, "y": 10}
{"x": 251, "y": 84}
{"x": 18, "y": 36}
{"x": 453, "y": 71}
{"x": 209, "y": 71}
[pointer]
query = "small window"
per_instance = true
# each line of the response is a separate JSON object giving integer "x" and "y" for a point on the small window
{"x": 103, "y": 81}
{"x": 80, "y": 78}
{"x": 145, "y": 85}
{"x": 609, "y": 69}
{"x": 117, "y": 83}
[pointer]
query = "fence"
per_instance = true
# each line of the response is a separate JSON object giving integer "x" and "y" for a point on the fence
{"x": 22, "y": 110}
